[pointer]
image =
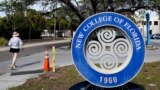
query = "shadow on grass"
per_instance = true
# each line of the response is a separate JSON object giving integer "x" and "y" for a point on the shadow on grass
{"x": 87, "y": 86}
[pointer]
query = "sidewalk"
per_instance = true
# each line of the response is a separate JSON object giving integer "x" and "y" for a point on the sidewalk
{"x": 31, "y": 66}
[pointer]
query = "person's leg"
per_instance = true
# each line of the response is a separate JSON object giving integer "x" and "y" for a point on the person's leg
{"x": 14, "y": 58}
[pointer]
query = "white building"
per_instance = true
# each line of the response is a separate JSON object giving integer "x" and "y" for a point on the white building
{"x": 154, "y": 26}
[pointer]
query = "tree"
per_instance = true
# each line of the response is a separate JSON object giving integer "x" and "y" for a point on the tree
{"x": 21, "y": 18}
{"x": 79, "y": 10}
{"x": 76, "y": 11}
{"x": 4, "y": 28}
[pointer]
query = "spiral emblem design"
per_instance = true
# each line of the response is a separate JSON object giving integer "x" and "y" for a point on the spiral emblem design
{"x": 109, "y": 62}
{"x": 94, "y": 48}
{"x": 109, "y": 50}
{"x": 121, "y": 47}
{"x": 107, "y": 35}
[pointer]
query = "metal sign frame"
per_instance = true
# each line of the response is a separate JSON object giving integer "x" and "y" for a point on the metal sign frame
{"x": 78, "y": 50}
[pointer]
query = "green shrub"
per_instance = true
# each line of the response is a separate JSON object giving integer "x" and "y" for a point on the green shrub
{"x": 3, "y": 41}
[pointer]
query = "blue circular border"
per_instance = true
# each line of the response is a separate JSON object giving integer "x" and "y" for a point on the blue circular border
{"x": 93, "y": 76}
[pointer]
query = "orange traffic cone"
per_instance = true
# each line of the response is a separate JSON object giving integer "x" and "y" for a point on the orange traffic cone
{"x": 46, "y": 61}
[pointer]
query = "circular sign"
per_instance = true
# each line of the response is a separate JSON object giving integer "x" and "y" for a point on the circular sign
{"x": 108, "y": 49}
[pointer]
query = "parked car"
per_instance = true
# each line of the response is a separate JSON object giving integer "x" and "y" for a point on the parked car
{"x": 155, "y": 36}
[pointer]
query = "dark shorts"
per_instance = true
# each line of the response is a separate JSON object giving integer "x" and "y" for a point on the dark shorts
{"x": 13, "y": 50}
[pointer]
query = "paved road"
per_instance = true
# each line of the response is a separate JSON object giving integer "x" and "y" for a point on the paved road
{"x": 5, "y": 55}
{"x": 152, "y": 55}
{"x": 155, "y": 42}
{"x": 34, "y": 53}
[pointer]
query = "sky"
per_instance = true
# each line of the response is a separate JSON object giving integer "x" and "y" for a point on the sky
{"x": 1, "y": 13}
{"x": 37, "y": 7}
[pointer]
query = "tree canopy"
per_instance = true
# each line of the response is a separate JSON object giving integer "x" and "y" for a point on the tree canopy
{"x": 84, "y": 8}
{"x": 66, "y": 13}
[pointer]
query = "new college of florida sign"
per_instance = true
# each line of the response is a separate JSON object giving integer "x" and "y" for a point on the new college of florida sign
{"x": 108, "y": 49}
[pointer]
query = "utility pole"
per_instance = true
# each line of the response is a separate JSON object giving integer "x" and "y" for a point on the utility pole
{"x": 55, "y": 14}
{"x": 26, "y": 20}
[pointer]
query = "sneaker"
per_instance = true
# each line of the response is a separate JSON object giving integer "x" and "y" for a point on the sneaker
{"x": 13, "y": 67}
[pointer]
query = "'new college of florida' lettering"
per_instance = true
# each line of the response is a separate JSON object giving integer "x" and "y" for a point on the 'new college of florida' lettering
{"x": 108, "y": 19}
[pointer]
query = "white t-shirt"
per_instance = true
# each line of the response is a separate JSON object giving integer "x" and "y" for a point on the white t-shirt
{"x": 15, "y": 42}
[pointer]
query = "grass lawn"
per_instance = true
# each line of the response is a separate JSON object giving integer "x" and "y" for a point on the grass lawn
{"x": 66, "y": 77}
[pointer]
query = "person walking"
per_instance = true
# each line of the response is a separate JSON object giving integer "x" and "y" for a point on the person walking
{"x": 15, "y": 43}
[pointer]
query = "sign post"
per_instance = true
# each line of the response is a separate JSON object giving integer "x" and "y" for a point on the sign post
{"x": 108, "y": 50}
{"x": 148, "y": 29}
{"x": 53, "y": 59}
